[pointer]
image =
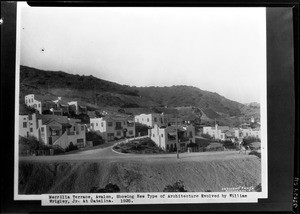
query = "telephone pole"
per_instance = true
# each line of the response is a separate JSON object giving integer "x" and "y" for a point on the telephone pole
{"x": 177, "y": 146}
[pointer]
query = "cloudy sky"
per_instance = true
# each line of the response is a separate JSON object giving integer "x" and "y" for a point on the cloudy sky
{"x": 221, "y": 50}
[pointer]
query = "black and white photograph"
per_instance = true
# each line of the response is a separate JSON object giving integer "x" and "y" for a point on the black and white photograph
{"x": 140, "y": 105}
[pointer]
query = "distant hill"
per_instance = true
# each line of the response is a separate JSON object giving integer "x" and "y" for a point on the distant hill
{"x": 188, "y": 101}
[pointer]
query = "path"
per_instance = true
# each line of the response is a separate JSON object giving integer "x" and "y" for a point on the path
{"x": 109, "y": 153}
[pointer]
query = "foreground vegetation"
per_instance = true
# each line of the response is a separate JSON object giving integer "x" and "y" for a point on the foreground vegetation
{"x": 140, "y": 146}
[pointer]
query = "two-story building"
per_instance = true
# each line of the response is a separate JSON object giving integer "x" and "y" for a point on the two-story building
{"x": 165, "y": 137}
{"x": 53, "y": 129}
{"x": 250, "y": 132}
{"x": 77, "y": 107}
{"x": 38, "y": 102}
{"x": 151, "y": 119}
{"x": 57, "y": 106}
{"x": 217, "y": 132}
{"x": 113, "y": 127}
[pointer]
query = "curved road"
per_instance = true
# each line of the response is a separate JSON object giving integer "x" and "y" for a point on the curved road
{"x": 106, "y": 152}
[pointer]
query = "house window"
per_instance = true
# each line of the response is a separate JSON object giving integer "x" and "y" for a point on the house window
{"x": 42, "y": 129}
{"x": 39, "y": 105}
{"x": 54, "y": 132}
{"x": 110, "y": 136}
{"x": 118, "y": 125}
{"x": 32, "y": 100}
{"x": 24, "y": 124}
{"x": 147, "y": 119}
{"x": 80, "y": 143}
{"x": 96, "y": 124}
{"x": 109, "y": 124}
{"x": 162, "y": 135}
{"x": 31, "y": 130}
{"x": 130, "y": 132}
{"x": 153, "y": 135}
{"x": 101, "y": 124}
{"x": 82, "y": 128}
{"x": 118, "y": 133}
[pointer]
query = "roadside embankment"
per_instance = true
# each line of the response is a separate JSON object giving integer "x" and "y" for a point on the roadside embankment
{"x": 138, "y": 175}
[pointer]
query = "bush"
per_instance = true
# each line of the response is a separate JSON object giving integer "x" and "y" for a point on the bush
{"x": 71, "y": 147}
{"x": 255, "y": 153}
{"x": 202, "y": 142}
{"x": 248, "y": 140}
{"x": 228, "y": 144}
{"x": 95, "y": 137}
{"x": 207, "y": 136}
{"x": 58, "y": 150}
{"x": 178, "y": 186}
{"x": 109, "y": 188}
{"x": 31, "y": 143}
{"x": 192, "y": 145}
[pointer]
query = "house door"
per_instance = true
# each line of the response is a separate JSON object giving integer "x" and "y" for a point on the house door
{"x": 124, "y": 132}
{"x": 50, "y": 140}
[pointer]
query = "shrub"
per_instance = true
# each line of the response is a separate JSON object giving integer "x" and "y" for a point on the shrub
{"x": 58, "y": 150}
{"x": 31, "y": 143}
{"x": 228, "y": 144}
{"x": 202, "y": 142}
{"x": 192, "y": 145}
{"x": 178, "y": 186}
{"x": 206, "y": 136}
{"x": 248, "y": 140}
{"x": 256, "y": 153}
{"x": 95, "y": 137}
{"x": 71, "y": 147}
{"x": 109, "y": 188}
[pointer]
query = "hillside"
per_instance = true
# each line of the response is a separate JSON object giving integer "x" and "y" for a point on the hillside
{"x": 99, "y": 93}
{"x": 137, "y": 175}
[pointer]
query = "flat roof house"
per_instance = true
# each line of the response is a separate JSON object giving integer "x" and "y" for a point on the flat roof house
{"x": 114, "y": 127}
{"x": 53, "y": 129}
{"x": 40, "y": 103}
{"x": 151, "y": 119}
{"x": 77, "y": 107}
{"x": 165, "y": 137}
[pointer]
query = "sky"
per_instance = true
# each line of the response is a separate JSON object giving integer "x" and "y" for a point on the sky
{"x": 221, "y": 50}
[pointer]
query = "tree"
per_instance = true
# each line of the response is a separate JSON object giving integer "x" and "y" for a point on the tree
{"x": 248, "y": 140}
{"x": 109, "y": 188}
{"x": 178, "y": 186}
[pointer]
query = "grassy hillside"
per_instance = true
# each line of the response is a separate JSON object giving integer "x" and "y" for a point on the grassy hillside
{"x": 190, "y": 96}
{"x": 137, "y": 175}
{"x": 101, "y": 93}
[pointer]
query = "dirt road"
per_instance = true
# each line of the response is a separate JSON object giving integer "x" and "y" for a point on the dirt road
{"x": 106, "y": 152}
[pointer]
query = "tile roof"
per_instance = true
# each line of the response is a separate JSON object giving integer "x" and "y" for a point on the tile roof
{"x": 46, "y": 97}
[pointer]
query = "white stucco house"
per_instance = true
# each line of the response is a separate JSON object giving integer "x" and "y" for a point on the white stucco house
{"x": 165, "y": 137}
{"x": 113, "y": 127}
{"x": 53, "y": 130}
{"x": 151, "y": 119}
